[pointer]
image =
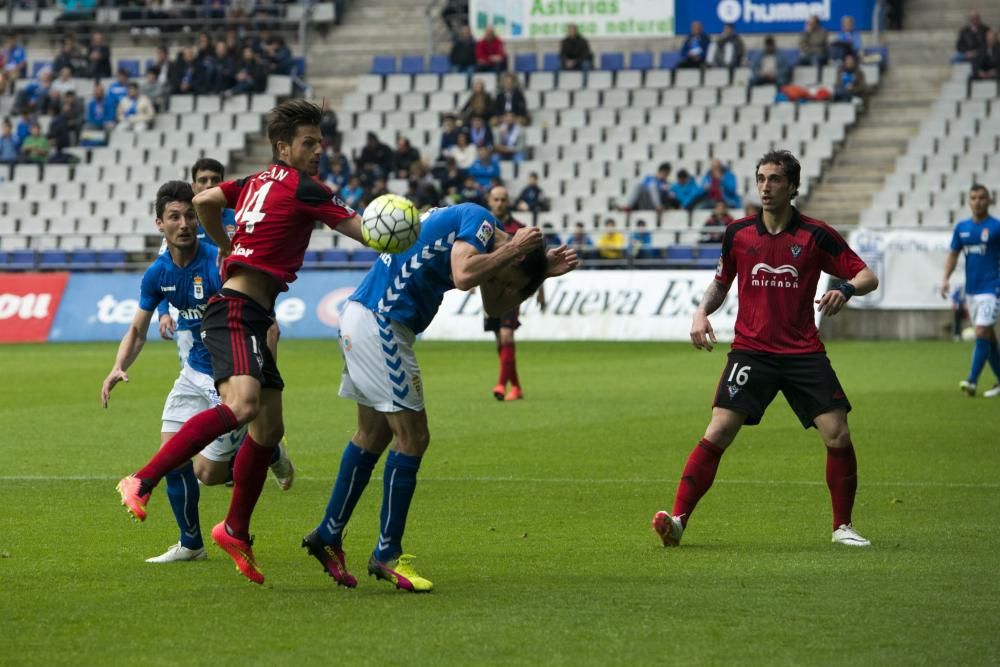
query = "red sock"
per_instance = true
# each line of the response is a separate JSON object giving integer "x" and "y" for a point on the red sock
{"x": 842, "y": 480}
{"x": 194, "y": 436}
{"x": 249, "y": 475}
{"x": 699, "y": 473}
{"x": 504, "y": 378}
{"x": 508, "y": 364}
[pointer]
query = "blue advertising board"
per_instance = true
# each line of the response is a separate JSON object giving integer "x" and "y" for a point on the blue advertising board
{"x": 99, "y": 307}
{"x": 772, "y": 16}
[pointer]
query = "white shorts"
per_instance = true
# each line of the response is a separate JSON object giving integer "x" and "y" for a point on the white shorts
{"x": 194, "y": 392}
{"x": 380, "y": 369}
{"x": 982, "y": 309}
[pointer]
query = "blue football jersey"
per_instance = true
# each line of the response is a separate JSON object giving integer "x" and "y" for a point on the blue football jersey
{"x": 187, "y": 289}
{"x": 408, "y": 287}
{"x": 980, "y": 243}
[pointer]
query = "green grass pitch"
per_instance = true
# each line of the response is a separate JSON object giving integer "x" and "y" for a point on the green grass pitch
{"x": 532, "y": 519}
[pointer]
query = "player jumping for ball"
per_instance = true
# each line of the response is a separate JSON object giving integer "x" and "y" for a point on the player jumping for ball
{"x": 276, "y": 210}
{"x": 776, "y": 258}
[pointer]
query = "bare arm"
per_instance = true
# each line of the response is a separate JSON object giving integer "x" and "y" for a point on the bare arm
{"x": 209, "y": 204}
{"x": 470, "y": 268}
{"x": 702, "y": 334}
{"x": 128, "y": 351}
{"x": 864, "y": 282}
{"x": 351, "y": 228}
{"x": 950, "y": 262}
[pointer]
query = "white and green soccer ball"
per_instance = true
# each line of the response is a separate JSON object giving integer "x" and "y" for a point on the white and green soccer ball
{"x": 390, "y": 224}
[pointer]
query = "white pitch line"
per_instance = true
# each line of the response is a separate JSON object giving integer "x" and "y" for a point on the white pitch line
{"x": 558, "y": 480}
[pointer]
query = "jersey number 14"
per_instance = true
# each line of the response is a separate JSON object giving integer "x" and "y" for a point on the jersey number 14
{"x": 253, "y": 208}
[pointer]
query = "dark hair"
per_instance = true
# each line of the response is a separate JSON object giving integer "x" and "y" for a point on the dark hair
{"x": 787, "y": 162}
{"x": 535, "y": 266}
{"x": 172, "y": 191}
{"x": 664, "y": 166}
{"x": 979, "y": 187}
{"x": 284, "y": 120}
{"x": 207, "y": 164}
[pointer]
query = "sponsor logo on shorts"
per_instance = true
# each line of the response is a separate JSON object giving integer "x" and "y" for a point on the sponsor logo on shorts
{"x": 345, "y": 341}
{"x": 765, "y": 275}
{"x": 417, "y": 384}
{"x": 240, "y": 251}
{"x": 485, "y": 232}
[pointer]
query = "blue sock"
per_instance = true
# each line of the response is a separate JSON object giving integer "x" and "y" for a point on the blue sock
{"x": 995, "y": 358}
{"x": 183, "y": 492}
{"x": 980, "y": 353}
{"x": 399, "y": 483}
{"x": 355, "y": 470}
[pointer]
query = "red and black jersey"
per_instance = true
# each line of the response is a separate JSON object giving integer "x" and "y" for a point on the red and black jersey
{"x": 276, "y": 211}
{"x": 776, "y": 280}
{"x": 511, "y": 225}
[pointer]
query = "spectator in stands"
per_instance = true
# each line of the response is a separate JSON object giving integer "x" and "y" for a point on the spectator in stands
{"x": 850, "y": 80}
{"x": 751, "y": 209}
{"x": 987, "y": 63}
{"x": 480, "y": 103}
{"x": 727, "y": 50}
{"x": 770, "y": 66}
{"x": 814, "y": 43}
{"x": 64, "y": 130}
{"x": 9, "y": 145}
{"x": 971, "y": 39}
{"x": 449, "y": 134}
{"x": 574, "y": 51}
{"x": 485, "y": 168}
{"x": 377, "y": 189}
{"x": 479, "y": 132}
{"x": 470, "y": 192}
{"x": 99, "y": 55}
{"x": 550, "y": 237}
{"x": 154, "y": 90}
{"x": 278, "y": 57}
{"x": 455, "y": 15}
{"x": 719, "y": 185}
{"x": 421, "y": 188}
{"x": 404, "y": 157}
{"x": 491, "y": 56}
{"x": 653, "y": 192}
{"x": 34, "y": 97}
{"x": 718, "y": 219}
{"x": 251, "y": 77}
{"x": 510, "y": 99}
{"x": 375, "y": 160}
{"x": 15, "y": 60}
{"x": 328, "y": 125}
{"x": 331, "y": 156}
{"x": 510, "y": 139}
{"x": 532, "y": 197}
{"x": 450, "y": 178}
{"x": 118, "y": 89}
{"x": 101, "y": 114}
{"x": 695, "y": 47}
{"x": 353, "y": 192}
{"x": 23, "y": 128}
{"x": 581, "y": 242}
{"x": 641, "y": 241}
{"x": 204, "y": 48}
{"x": 336, "y": 177}
{"x": 611, "y": 244}
{"x": 186, "y": 74}
{"x": 687, "y": 193}
{"x": 220, "y": 69}
{"x": 462, "y": 56}
{"x": 70, "y": 56}
{"x": 848, "y": 40}
{"x": 35, "y": 147}
{"x": 463, "y": 152}
{"x": 135, "y": 111}
{"x": 161, "y": 61}
{"x": 64, "y": 82}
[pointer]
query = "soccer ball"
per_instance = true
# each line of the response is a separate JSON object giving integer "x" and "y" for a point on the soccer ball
{"x": 390, "y": 224}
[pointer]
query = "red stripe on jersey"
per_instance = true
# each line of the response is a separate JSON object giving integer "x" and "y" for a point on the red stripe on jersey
{"x": 236, "y": 339}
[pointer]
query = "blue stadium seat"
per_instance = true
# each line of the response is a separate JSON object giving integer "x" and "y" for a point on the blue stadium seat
{"x": 299, "y": 66}
{"x": 130, "y": 66}
{"x": 310, "y": 260}
{"x": 613, "y": 61}
{"x": 551, "y": 62}
{"x": 641, "y": 60}
{"x": 669, "y": 59}
{"x": 3, "y": 259}
{"x": 411, "y": 65}
{"x": 363, "y": 256}
{"x": 708, "y": 256}
{"x": 680, "y": 254}
{"x": 791, "y": 55}
{"x": 526, "y": 62}
{"x": 21, "y": 260}
{"x": 439, "y": 64}
{"x": 384, "y": 65}
{"x": 111, "y": 259}
{"x": 52, "y": 259}
{"x": 38, "y": 66}
{"x": 83, "y": 260}
{"x": 335, "y": 256}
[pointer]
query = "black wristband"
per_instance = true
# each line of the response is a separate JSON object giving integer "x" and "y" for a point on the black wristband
{"x": 847, "y": 289}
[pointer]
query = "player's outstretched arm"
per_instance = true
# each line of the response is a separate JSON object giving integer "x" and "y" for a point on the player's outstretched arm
{"x": 208, "y": 204}
{"x": 351, "y": 227}
{"x": 561, "y": 261}
{"x": 950, "y": 262}
{"x": 128, "y": 352}
{"x": 470, "y": 268}
{"x": 834, "y": 300}
{"x": 702, "y": 334}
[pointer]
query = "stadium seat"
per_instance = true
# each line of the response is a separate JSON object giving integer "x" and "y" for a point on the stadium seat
{"x": 612, "y": 61}
{"x": 526, "y": 62}
{"x": 551, "y": 62}
{"x": 334, "y": 256}
{"x": 21, "y": 260}
{"x": 310, "y": 260}
{"x": 680, "y": 254}
{"x": 669, "y": 59}
{"x": 439, "y": 64}
{"x": 642, "y": 60}
{"x": 708, "y": 256}
{"x": 52, "y": 259}
{"x": 111, "y": 259}
{"x": 411, "y": 65}
{"x": 384, "y": 65}
{"x": 85, "y": 260}
{"x": 363, "y": 256}
{"x": 131, "y": 66}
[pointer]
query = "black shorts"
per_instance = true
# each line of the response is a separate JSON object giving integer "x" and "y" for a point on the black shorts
{"x": 752, "y": 379}
{"x": 234, "y": 329}
{"x": 506, "y": 321}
